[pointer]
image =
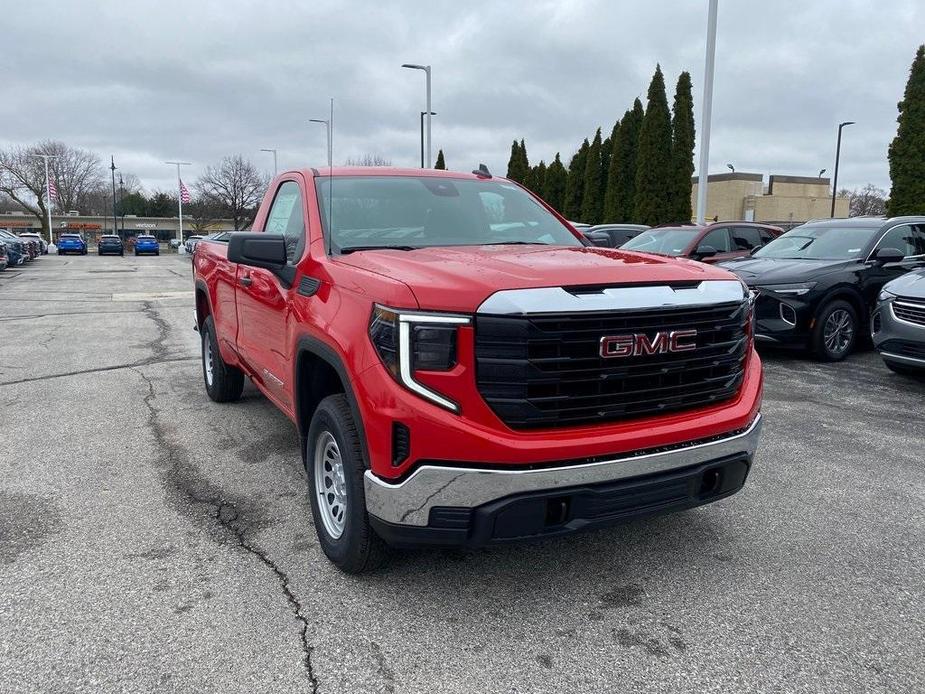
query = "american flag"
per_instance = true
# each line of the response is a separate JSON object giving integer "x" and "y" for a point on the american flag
{"x": 184, "y": 193}
{"x": 52, "y": 190}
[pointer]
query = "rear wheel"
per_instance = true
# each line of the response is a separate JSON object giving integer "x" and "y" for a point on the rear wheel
{"x": 835, "y": 331}
{"x": 224, "y": 382}
{"x": 335, "y": 469}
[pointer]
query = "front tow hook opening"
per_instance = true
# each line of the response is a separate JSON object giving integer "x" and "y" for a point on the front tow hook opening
{"x": 711, "y": 482}
{"x": 557, "y": 510}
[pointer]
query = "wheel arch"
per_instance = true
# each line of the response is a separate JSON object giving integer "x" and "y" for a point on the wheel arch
{"x": 853, "y": 297}
{"x": 320, "y": 372}
{"x": 203, "y": 303}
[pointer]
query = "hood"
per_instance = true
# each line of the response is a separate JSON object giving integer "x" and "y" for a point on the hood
{"x": 460, "y": 278}
{"x": 911, "y": 284}
{"x": 782, "y": 270}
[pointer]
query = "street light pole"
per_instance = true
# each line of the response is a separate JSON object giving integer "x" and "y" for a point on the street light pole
{"x": 327, "y": 125}
{"x": 275, "y": 169}
{"x": 702, "y": 174}
{"x": 428, "y": 112}
{"x": 423, "y": 113}
{"x": 115, "y": 224}
{"x": 180, "y": 249}
{"x": 46, "y": 157}
{"x": 122, "y": 207}
{"x": 837, "y": 156}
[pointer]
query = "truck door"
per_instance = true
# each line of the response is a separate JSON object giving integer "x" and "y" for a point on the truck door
{"x": 264, "y": 301}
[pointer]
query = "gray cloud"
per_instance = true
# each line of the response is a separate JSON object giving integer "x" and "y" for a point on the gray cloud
{"x": 149, "y": 81}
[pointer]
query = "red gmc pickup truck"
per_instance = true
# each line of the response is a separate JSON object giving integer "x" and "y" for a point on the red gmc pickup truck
{"x": 463, "y": 369}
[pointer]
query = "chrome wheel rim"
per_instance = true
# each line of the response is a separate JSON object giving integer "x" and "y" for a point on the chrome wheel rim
{"x": 207, "y": 361}
{"x": 330, "y": 484}
{"x": 838, "y": 331}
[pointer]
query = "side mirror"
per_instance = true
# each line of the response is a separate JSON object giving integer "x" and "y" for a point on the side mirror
{"x": 600, "y": 239}
{"x": 267, "y": 251}
{"x": 882, "y": 256}
{"x": 703, "y": 252}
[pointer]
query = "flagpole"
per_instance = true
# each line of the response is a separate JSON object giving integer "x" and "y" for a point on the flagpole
{"x": 181, "y": 249}
{"x": 48, "y": 206}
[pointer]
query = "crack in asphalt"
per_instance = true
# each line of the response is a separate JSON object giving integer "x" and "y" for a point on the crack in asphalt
{"x": 100, "y": 369}
{"x": 225, "y": 512}
{"x": 36, "y": 316}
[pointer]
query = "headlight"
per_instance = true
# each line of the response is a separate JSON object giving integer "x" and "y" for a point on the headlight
{"x": 885, "y": 295}
{"x": 796, "y": 289}
{"x": 410, "y": 341}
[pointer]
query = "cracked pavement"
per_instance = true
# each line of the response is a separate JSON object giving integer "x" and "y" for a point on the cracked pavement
{"x": 151, "y": 540}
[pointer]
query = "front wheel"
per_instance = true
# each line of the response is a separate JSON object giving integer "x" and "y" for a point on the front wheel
{"x": 835, "y": 331}
{"x": 334, "y": 462}
{"x": 224, "y": 382}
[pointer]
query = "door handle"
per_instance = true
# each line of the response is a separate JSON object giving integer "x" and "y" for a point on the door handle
{"x": 245, "y": 281}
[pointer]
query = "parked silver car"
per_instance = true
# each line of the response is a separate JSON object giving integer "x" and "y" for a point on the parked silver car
{"x": 191, "y": 242}
{"x": 898, "y": 324}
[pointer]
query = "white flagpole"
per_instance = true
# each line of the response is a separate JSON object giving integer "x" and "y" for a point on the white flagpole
{"x": 181, "y": 249}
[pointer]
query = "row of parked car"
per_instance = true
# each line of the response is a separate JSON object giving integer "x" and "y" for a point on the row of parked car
{"x": 826, "y": 286}
{"x": 18, "y": 250}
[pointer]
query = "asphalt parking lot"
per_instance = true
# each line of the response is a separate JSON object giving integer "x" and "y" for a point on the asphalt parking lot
{"x": 153, "y": 540}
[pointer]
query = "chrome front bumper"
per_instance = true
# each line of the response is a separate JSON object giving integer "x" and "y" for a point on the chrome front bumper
{"x": 409, "y": 502}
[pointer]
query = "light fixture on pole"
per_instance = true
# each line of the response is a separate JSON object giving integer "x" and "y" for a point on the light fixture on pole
{"x": 327, "y": 124}
{"x": 423, "y": 113}
{"x": 180, "y": 248}
{"x": 275, "y": 170}
{"x": 702, "y": 176}
{"x": 822, "y": 171}
{"x": 427, "y": 110}
{"x": 731, "y": 168}
{"x": 837, "y": 156}
{"x": 46, "y": 157}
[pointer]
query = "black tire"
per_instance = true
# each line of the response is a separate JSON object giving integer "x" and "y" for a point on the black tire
{"x": 842, "y": 344}
{"x": 358, "y": 549}
{"x": 226, "y": 381}
{"x": 918, "y": 374}
{"x": 136, "y": 253}
{"x": 121, "y": 253}
{"x": 60, "y": 253}
{"x": 157, "y": 252}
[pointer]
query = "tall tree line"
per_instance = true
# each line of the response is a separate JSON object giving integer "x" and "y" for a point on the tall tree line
{"x": 640, "y": 173}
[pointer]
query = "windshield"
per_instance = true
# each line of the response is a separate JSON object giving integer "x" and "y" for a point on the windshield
{"x": 667, "y": 241}
{"x": 418, "y": 211}
{"x": 819, "y": 242}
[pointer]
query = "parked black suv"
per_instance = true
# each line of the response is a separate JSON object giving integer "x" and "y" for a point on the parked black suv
{"x": 110, "y": 243}
{"x": 818, "y": 283}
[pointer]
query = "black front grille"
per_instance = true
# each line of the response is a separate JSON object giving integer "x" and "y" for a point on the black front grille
{"x": 545, "y": 370}
{"x": 910, "y": 310}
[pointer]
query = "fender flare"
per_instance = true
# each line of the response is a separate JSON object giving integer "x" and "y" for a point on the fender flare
{"x": 330, "y": 356}
{"x": 200, "y": 285}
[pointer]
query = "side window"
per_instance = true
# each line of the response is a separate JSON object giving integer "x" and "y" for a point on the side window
{"x": 287, "y": 218}
{"x": 766, "y": 236}
{"x": 918, "y": 237}
{"x": 745, "y": 238}
{"x": 718, "y": 238}
{"x": 902, "y": 238}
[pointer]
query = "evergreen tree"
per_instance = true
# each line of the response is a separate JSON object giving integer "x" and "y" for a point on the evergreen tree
{"x": 591, "y": 202}
{"x": 653, "y": 163}
{"x": 514, "y": 171}
{"x": 682, "y": 150}
{"x": 606, "y": 155}
{"x": 622, "y": 177}
{"x": 555, "y": 184}
{"x": 611, "y": 210}
{"x": 529, "y": 181}
{"x": 907, "y": 151}
{"x": 539, "y": 178}
{"x": 576, "y": 183}
{"x": 441, "y": 163}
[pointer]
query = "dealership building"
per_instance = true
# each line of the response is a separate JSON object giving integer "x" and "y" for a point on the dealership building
{"x": 785, "y": 200}
{"x": 92, "y": 226}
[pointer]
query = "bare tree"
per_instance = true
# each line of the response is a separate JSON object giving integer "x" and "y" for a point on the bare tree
{"x": 865, "y": 202}
{"x": 205, "y": 212}
{"x": 368, "y": 160}
{"x": 237, "y": 186}
{"x": 76, "y": 174}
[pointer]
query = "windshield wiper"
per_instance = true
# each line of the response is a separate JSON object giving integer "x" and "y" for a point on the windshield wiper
{"x": 516, "y": 243}
{"x": 353, "y": 249}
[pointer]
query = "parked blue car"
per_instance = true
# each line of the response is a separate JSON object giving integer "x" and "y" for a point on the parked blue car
{"x": 71, "y": 243}
{"x": 147, "y": 244}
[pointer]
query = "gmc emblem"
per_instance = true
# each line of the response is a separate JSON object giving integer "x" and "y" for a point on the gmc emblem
{"x": 639, "y": 343}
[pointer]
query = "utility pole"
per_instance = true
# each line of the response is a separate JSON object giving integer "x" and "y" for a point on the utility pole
{"x": 122, "y": 207}
{"x": 428, "y": 111}
{"x": 837, "y": 156}
{"x": 703, "y": 173}
{"x": 46, "y": 157}
{"x": 180, "y": 248}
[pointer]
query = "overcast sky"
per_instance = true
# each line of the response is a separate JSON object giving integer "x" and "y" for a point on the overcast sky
{"x": 200, "y": 79}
